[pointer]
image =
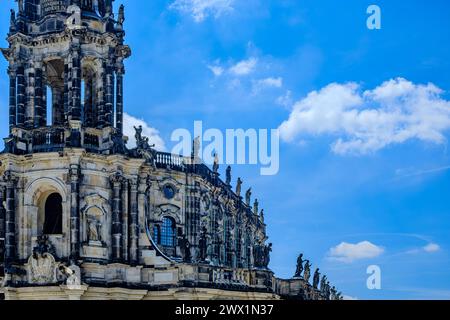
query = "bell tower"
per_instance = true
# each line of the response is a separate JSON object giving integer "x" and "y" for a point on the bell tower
{"x": 66, "y": 68}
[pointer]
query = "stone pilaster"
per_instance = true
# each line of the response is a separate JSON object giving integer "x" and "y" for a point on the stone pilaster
{"x": 74, "y": 176}
{"x": 119, "y": 100}
{"x": 116, "y": 229}
{"x": 100, "y": 97}
{"x": 75, "y": 99}
{"x": 10, "y": 218}
{"x": 21, "y": 96}
{"x": 12, "y": 99}
{"x": 66, "y": 94}
{"x": 40, "y": 119}
{"x": 134, "y": 227}
{"x": 30, "y": 102}
{"x": 125, "y": 220}
{"x": 2, "y": 224}
{"x": 109, "y": 95}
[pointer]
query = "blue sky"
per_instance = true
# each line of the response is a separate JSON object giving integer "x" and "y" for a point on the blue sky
{"x": 363, "y": 161}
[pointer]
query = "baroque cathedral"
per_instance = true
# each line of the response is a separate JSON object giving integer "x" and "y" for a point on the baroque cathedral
{"x": 82, "y": 216}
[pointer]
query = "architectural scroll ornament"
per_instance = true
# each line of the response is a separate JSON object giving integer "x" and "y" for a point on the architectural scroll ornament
{"x": 42, "y": 267}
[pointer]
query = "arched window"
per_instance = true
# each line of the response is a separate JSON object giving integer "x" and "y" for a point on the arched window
{"x": 156, "y": 234}
{"x": 53, "y": 215}
{"x": 168, "y": 232}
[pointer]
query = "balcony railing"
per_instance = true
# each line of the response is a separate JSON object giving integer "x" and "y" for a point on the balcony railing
{"x": 48, "y": 140}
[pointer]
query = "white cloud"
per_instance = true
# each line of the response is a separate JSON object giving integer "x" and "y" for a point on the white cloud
{"x": 349, "y": 298}
{"x": 364, "y": 122}
{"x": 285, "y": 100}
{"x": 216, "y": 70}
{"x": 431, "y": 248}
{"x": 129, "y": 122}
{"x": 266, "y": 83}
{"x": 201, "y": 9}
{"x": 244, "y": 67}
{"x": 347, "y": 252}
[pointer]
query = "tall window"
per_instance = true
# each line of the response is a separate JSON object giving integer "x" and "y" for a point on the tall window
{"x": 53, "y": 215}
{"x": 168, "y": 233}
{"x": 156, "y": 235}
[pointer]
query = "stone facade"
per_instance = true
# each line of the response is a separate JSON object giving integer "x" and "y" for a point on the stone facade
{"x": 84, "y": 217}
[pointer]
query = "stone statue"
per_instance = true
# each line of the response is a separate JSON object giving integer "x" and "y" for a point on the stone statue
{"x": 267, "y": 251}
{"x": 216, "y": 163}
{"x": 316, "y": 279}
{"x": 323, "y": 284}
{"x": 307, "y": 273}
{"x": 20, "y": 4}
{"x": 185, "y": 248}
{"x": 138, "y": 136}
{"x": 203, "y": 244}
{"x": 256, "y": 207}
{"x": 239, "y": 187}
{"x": 93, "y": 229}
{"x": 121, "y": 16}
{"x": 299, "y": 270}
{"x": 228, "y": 182}
{"x": 12, "y": 20}
{"x": 327, "y": 290}
{"x": 248, "y": 196}
{"x": 261, "y": 216}
{"x": 333, "y": 293}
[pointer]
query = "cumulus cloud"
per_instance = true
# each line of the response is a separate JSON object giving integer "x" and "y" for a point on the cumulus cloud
{"x": 431, "y": 248}
{"x": 367, "y": 121}
{"x": 348, "y": 252}
{"x": 201, "y": 9}
{"x": 244, "y": 67}
{"x": 129, "y": 122}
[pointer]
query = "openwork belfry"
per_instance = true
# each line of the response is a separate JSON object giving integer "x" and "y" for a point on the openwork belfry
{"x": 82, "y": 216}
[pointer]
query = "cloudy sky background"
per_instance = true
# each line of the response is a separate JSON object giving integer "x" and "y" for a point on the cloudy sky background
{"x": 364, "y": 118}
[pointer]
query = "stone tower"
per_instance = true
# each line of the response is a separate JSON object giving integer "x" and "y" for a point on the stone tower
{"x": 84, "y": 217}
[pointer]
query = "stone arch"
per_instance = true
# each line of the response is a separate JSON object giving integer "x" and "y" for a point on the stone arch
{"x": 36, "y": 194}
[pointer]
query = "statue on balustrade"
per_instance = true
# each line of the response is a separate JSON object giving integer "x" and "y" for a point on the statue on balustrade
{"x": 299, "y": 270}
{"x": 307, "y": 272}
{"x": 316, "y": 279}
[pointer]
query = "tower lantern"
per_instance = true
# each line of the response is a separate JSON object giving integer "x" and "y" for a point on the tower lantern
{"x": 66, "y": 67}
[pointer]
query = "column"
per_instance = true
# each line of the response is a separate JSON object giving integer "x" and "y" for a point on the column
{"x": 100, "y": 97}
{"x": 12, "y": 99}
{"x": 134, "y": 227}
{"x": 74, "y": 174}
{"x": 119, "y": 98}
{"x": 88, "y": 103}
{"x": 66, "y": 93}
{"x": 10, "y": 219}
{"x": 116, "y": 230}
{"x": 75, "y": 103}
{"x": 20, "y": 96}
{"x": 109, "y": 96}
{"x": 125, "y": 212}
{"x": 30, "y": 102}
{"x": 40, "y": 109}
{"x": 2, "y": 224}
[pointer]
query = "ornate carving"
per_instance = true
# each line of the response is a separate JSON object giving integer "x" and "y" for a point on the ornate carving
{"x": 42, "y": 266}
